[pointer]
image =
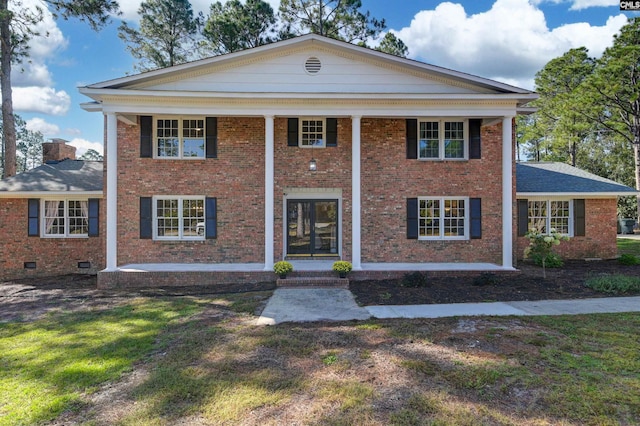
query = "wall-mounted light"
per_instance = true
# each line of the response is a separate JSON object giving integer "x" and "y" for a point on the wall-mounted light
{"x": 313, "y": 165}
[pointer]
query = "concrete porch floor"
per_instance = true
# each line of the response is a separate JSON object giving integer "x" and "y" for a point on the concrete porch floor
{"x": 309, "y": 266}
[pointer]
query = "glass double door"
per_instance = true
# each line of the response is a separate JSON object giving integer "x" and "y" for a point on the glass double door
{"x": 312, "y": 227}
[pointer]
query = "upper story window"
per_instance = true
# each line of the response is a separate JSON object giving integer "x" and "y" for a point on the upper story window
{"x": 180, "y": 137}
{"x": 65, "y": 218}
{"x": 443, "y": 218}
{"x": 551, "y": 214}
{"x": 312, "y": 132}
{"x": 443, "y": 140}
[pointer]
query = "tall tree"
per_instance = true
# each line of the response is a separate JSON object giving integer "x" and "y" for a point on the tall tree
{"x": 560, "y": 122}
{"x": 91, "y": 155}
{"x": 393, "y": 45}
{"x": 339, "y": 19}
{"x": 615, "y": 84}
{"x": 167, "y": 34}
{"x": 29, "y": 147}
{"x": 17, "y": 27}
{"x": 235, "y": 26}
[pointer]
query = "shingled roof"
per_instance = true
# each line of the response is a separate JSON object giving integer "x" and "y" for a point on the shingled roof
{"x": 68, "y": 176}
{"x": 543, "y": 178}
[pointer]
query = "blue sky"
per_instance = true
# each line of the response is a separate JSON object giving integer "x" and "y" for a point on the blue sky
{"x": 506, "y": 40}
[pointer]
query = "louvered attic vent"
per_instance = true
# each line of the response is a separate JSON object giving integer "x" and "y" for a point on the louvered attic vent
{"x": 313, "y": 65}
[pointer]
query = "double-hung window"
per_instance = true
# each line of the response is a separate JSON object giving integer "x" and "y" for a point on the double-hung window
{"x": 443, "y": 218}
{"x": 65, "y": 218}
{"x": 312, "y": 132}
{"x": 182, "y": 137}
{"x": 443, "y": 139}
{"x": 545, "y": 215}
{"x": 179, "y": 218}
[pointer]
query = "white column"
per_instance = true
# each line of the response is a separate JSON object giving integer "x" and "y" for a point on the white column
{"x": 268, "y": 192}
{"x": 112, "y": 193}
{"x": 507, "y": 192}
{"x": 356, "y": 220}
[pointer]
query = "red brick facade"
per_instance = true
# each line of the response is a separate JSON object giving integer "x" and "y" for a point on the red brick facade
{"x": 236, "y": 179}
{"x": 599, "y": 240}
{"x": 52, "y": 255}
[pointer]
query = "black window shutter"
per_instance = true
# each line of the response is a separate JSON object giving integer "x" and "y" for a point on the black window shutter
{"x": 412, "y": 139}
{"x": 34, "y": 217}
{"x": 146, "y": 136}
{"x": 292, "y": 132}
{"x": 211, "y": 226}
{"x": 476, "y": 218}
{"x": 94, "y": 217}
{"x": 146, "y": 218}
{"x": 412, "y": 218}
{"x": 332, "y": 132}
{"x": 579, "y": 218}
{"x": 523, "y": 217}
{"x": 475, "y": 139}
{"x": 211, "y": 141}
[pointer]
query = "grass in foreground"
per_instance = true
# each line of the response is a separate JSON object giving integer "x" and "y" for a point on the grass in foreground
{"x": 46, "y": 366}
{"x": 217, "y": 367}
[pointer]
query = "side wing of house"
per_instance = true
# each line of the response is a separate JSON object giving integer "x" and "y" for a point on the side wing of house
{"x": 51, "y": 220}
{"x": 574, "y": 202}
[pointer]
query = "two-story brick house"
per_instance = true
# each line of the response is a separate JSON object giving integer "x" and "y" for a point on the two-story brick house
{"x": 211, "y": 162}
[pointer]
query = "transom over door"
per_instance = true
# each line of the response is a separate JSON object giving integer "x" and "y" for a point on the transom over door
{"x": 312, "y": 227}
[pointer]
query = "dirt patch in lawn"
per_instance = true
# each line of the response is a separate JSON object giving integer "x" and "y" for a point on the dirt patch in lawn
{"x": 567, "y": 282}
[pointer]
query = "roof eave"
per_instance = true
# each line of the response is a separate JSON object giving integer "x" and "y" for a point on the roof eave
{"x": 579, "y": 194}
{"x": 44, "y": 194}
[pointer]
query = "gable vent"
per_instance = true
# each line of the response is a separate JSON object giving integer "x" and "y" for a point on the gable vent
{"x": 313, "y": 65}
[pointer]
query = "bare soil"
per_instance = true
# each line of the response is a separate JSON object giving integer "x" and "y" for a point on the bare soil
{"x": 28, "y": 299}
{"x": 567, "y": 282}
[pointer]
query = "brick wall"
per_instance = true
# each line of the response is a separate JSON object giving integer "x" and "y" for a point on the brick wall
{"x": 600, "y": 234}
{"x": 236, "y": 178}
{"x": 52, "y": 255}
{"x": 388, "y": 179}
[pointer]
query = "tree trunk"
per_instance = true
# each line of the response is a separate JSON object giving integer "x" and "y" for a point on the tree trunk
{"x": 8, "y": 120}
{"x": 636, "y": 155}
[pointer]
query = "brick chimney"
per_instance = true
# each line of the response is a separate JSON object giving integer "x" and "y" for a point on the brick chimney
{"x": 57, "y": 150}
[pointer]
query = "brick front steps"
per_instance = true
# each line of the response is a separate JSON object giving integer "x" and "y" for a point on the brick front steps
{"x": 306, "y": 282}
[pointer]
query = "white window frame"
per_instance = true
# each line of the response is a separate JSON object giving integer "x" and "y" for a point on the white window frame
{"x": 180, "y": 236}
{"x": 548, "y": 216}
{"x": 180, "y": 138}
{"x": 323, "y": 141}
{"x": 66, "y": 201}
{"x": 442, "y": 217}
{"x": 441, "y": 138}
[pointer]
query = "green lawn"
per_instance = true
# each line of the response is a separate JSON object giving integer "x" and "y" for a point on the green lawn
{"x": 628, "y": 246}
{"x": 46, "y": 366}
{"x": 206, "y": 362}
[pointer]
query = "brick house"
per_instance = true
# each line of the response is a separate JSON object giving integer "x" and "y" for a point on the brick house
{"x": 51, "y": 218}
{"x": 311, "y": 150}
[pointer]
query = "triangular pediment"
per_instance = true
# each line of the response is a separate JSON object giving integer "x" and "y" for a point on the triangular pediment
{"x": 310, "y": 64}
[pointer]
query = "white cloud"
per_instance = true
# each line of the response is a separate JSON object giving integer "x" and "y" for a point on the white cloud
{"x": 130, "y": 8}
{"x": 41, "y": 99}
{"x": 48, "y": 130}
{"x": 510, "y": 42}
{"x": 585, "y": 4}
{"x": 84, "y": 145}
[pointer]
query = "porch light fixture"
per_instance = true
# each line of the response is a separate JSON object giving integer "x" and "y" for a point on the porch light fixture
{"x": 313, "y": 165}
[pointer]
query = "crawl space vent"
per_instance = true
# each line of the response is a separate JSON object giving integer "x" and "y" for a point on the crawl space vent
{"x": 313, "y": 65}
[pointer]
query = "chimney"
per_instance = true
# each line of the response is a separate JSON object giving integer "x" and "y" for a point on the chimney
{"x": 57, "y": 150}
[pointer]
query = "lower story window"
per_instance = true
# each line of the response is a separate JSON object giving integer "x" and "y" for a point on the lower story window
{"x": 66, "y": 218}
{"x": 545, "y": 215}
{"x": 179, "y": 218}
{"x": 443, "y": 218}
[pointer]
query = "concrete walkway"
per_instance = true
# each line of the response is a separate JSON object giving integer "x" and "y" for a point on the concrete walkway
{"x": 331, "y": 304}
